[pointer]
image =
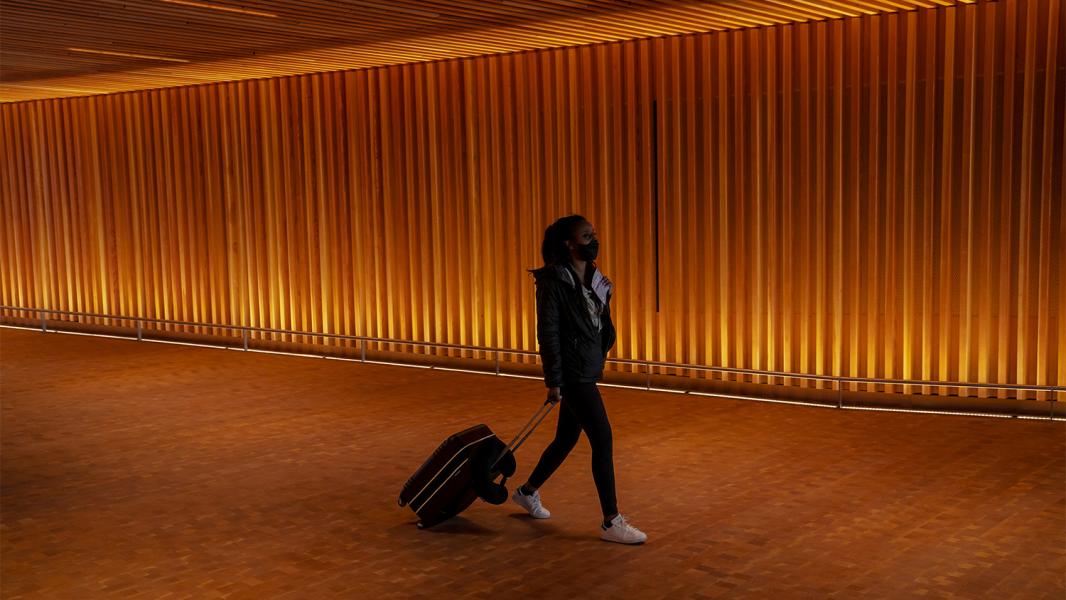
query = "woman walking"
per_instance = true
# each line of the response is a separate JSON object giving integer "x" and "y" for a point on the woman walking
{"x": 574, "y": 331}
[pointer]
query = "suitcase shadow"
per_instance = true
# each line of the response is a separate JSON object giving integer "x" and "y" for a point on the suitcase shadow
{"x": 460, "y": 526}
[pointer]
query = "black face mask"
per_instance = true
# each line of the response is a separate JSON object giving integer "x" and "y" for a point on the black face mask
{"x": 589, "y": 251}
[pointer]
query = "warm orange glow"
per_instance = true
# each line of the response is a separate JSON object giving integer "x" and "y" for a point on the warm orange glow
{"x": 327, "y": 36}
{"x": 129, "y": 54}
{"x": 234, "y": 9}
{"x": 875, "y": 197}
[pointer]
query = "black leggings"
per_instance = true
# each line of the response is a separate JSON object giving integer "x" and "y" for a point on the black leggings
{"x": 582, "y": 409}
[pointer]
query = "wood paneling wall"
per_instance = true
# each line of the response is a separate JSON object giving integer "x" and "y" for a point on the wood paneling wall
{"x": 872, "y": 197}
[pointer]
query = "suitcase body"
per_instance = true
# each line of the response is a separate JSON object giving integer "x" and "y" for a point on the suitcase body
{"x": 443, "y": 486}
{"x": 463, "y": 469}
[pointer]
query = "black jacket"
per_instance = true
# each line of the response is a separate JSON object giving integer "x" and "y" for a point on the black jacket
{"x": 571, "y": 350}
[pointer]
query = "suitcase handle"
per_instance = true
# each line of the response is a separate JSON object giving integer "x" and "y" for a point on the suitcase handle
{"x": 522, "y": 433}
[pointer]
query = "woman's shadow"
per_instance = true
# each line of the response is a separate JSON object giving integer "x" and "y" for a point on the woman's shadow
{"x": 460, "y": 525}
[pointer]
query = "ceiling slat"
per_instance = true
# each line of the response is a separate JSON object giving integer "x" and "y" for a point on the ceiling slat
{"x": 315, "y": 35}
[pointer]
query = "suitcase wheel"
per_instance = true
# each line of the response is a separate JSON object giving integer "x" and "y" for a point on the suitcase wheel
{"x": 420, "y": 525}
{"x": 399, "y": 501}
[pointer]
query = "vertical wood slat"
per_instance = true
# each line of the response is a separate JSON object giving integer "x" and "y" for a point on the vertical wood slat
{"x": 872, "y": 197}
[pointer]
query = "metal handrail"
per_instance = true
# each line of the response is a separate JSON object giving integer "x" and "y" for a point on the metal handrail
{"x": 648, "y": 364}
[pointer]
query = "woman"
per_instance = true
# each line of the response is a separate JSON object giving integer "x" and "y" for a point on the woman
{"x": 575, "y": 331}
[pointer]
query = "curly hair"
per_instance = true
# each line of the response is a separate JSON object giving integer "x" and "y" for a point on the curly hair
{"x": 553, "y": 249}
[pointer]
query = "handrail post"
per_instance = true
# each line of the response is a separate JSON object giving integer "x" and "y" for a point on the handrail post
{"x": 840, "y": 393}
{"x": 497, "y": 362}
{"x": 647, "y": 371}
{"x": 244, "y": 338}
{"x": 362, "y": 349}
{"x": 44, "y": 326}
{"x": 139, "y": 334}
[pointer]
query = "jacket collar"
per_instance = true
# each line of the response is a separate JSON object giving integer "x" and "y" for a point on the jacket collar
{"x": 600, "y": 285}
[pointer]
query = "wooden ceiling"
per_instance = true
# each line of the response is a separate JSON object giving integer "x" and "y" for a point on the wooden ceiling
{"x": 58, "y": 48}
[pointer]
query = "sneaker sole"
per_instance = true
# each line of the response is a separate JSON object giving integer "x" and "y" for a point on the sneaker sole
{"x": 640, "y": 543}
{"x": 529, "y": 513}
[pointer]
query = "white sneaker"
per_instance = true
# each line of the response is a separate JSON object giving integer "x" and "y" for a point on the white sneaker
{"x": 531, "y": 503}
{"x": 622, "y": 532}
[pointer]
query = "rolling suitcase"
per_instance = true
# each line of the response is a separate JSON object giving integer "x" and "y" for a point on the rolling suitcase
{"x": 462, "y": 469}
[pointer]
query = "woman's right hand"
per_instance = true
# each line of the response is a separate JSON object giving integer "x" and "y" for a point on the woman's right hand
{"x": 554, "y": 395}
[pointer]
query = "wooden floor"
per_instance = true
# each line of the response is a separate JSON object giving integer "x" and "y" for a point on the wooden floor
{"x": 143, "y": 470}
